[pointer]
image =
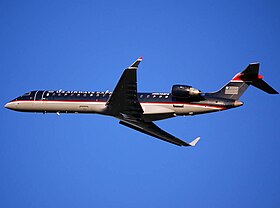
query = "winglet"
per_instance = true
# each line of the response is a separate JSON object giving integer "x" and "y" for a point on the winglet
{"x": 136, "y": 63}
{"x": 193, "y": 143}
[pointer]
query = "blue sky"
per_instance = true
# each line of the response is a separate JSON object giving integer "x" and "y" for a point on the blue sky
{"x": 92, "y": 161}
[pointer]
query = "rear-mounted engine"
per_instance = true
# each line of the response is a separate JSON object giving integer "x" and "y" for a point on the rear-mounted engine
{"x": 185, "y": 91}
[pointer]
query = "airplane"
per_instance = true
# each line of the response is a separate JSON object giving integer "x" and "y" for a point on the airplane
{"x": 138, "y": 110}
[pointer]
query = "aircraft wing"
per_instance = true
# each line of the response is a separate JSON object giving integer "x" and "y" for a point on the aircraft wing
{"x": 153, "y": 130}
{"x": 124, "y": 104}
{"x": 123, "y": 100}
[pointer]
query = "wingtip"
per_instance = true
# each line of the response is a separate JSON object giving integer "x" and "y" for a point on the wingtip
{"x": 194, "y": 142}
{"x": 136, "y": 63}
{"x": 255, "y": 63}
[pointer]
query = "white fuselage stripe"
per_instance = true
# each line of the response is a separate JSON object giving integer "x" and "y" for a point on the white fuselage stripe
{"x": 100, "y": 107}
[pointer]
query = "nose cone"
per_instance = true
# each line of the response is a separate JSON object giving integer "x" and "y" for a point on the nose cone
{"x": 10, "y": 106}
{"x": 238, "y": 103}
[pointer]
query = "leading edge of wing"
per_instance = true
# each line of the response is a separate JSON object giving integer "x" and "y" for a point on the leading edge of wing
{"x": 153, "y": 130}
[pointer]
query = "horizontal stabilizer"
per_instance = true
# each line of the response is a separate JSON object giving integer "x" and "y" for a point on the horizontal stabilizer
{"x": 251, "y": 76}
{"x": 262, "y": 85}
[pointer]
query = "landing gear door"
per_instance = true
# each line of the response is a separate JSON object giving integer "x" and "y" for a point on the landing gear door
{"x": 178, "y": 105}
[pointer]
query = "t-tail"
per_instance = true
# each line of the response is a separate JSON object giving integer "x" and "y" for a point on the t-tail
{"x": 240, "y": 82}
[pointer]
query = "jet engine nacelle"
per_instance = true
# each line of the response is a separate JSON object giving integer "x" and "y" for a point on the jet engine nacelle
{"x": 184, "y": 91}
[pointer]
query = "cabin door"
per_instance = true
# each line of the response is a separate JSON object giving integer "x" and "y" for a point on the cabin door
{"x": 39, "y": 95}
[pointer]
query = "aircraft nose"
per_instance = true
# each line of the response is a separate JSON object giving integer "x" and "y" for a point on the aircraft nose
{"x": 10, "y": 106}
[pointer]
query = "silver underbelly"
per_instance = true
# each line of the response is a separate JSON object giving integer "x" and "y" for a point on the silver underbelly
{"x": 57, "y": 106}
{"x": 176, "y": 109}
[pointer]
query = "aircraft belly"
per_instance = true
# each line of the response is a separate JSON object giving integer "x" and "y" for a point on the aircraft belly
{"x": 150, "y": 108}
{"x": 93, "y": 107}
{"x": 22, "y": 105}
{"x": 176, "y": 109}
{"x": 193, "y": 109}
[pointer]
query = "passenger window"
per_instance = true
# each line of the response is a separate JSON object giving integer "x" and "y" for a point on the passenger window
{"x": 141, "y": 96}
{"x": 48, "y": 94}
{"x": 85, "y": 95}
{"x": 78, "y": 94}
{"x": 148, "y": 96}
{"x": 160, "y": 96}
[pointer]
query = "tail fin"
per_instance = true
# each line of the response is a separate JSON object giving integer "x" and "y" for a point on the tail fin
{"x": 240, "y": 82}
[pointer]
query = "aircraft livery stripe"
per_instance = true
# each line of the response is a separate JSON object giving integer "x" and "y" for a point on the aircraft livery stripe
{"x": 93, "y": 101}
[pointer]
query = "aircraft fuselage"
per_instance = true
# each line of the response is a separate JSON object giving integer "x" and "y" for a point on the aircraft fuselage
{"x": 156, "y": 106}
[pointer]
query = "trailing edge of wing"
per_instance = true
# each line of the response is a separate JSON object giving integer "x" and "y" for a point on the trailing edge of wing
{"x": 153, "y": 130}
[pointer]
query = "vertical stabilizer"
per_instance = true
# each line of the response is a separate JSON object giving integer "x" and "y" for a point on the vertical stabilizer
{"x": 240, "y": 82}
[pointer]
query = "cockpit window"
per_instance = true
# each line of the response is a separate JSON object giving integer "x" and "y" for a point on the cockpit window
{"x": 27, "y": 94}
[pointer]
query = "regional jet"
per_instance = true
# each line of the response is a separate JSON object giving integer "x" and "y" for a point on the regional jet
{"x": 138, "y": 110}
